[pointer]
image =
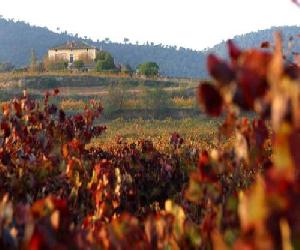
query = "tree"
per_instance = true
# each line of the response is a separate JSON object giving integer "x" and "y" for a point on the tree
{"x": 105, "y": 61}
{"x": 33, "y": 61}
{"x": 149, "y": 69}
{"x": 106, "y": 40}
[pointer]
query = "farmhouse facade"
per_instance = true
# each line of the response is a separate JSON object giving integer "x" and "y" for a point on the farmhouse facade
{"x": 73, "y": 51}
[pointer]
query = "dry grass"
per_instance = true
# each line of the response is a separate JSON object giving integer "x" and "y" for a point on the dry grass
{"x": 72, "y": 105}
{"x": 184, "y": 102}
{"x": 197, "y": 132}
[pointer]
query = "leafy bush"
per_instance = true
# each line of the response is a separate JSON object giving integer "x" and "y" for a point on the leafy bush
{"x": 78, "y": 64}
{"x": 55, "y": 65}
{"x": 116, "y": 98}
{"x": 104, "y": 61}
{"x": 149, "y": 69}
{"x": 157, "y": 100}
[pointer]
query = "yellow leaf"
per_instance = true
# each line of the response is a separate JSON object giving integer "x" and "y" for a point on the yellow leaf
{"x": 252, "y": 206}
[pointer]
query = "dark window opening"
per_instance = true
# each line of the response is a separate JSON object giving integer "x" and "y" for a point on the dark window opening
{"x": 71, "y": 58}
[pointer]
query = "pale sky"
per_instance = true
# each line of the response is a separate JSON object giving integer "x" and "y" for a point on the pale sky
{"x": 194, "y": 24}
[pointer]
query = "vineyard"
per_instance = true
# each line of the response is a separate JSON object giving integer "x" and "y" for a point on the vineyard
{"x": 68, "y": 182}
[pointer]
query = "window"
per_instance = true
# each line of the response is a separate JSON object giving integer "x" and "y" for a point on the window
{"x": 71, "y": 58}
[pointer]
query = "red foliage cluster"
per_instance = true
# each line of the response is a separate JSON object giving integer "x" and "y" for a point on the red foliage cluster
{"x": 57, "y": 193}
{"x": 248, "y": 69}
{"x": 263, "y": 82}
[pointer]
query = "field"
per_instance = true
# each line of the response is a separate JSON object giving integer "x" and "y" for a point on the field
{"x": 125, "y": 97}
{"x": 150, "y": 170}
{"x": 197, "y": 132}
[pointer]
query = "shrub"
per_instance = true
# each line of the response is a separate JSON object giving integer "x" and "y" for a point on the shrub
{"x": 115, "y": 98}
{"x": 157, "y": 100}
{"x": 78, "y": 64}
{"x": 149, "y": 69}
{"x": 104, "y": 61}
{"x": 55, "y": 65}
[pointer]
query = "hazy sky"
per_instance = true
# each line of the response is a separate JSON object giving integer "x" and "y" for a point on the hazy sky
{"x": 190, "y": 23}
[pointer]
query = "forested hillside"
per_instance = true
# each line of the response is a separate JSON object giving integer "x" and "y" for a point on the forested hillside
{"x": 18, "y": 38}
{"x": 254, "y": 39}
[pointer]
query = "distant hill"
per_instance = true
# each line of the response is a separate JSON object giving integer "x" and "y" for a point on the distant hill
{"x": 254, "y": 39}
{"x": 18, "y": 38}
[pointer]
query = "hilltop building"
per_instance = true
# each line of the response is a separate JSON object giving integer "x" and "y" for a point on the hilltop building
{"x": 73, "y": 51}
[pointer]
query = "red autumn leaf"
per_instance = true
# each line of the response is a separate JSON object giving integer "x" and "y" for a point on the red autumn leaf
{"x": 207, "y": 172}
{"x": 52, "y": 109}
{"x": 210, "y": 98}
{"x": 292, "y": 71}
{"x": 233, "y": 50}
{"x": 61, "y": 116}
{"x": 6, "y": 129}
{"x": 276, "y": 182}
{"x": 261, "y": 133}
{"x": 5, "y": 157}
{"x": 59, "y": 204}
{"x": 265, "y": 45}
{"x": 98, "y": 130}
{"x": 219, "y": 69}
{"x": 46, "y": 98}
{"x": 176, "y": 140}
{"x": 18, "y": 108}
{"x": 294, "y": 143}
{"x": 36, "y": 241}
{"x": 65, "y": 151}
{"x": 256, "y": 61}
{"x": 79, "y": 121}
{"x": 209, "y": 223}
{"x": 250, "y": 87}
{"x": 6, "y": 109}
{"x": 55, "y": 92}
{"x": 76, "y": 145}
{"x": 70, "y": 167}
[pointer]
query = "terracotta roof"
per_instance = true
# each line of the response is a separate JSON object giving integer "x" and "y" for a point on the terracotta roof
{"x": 73, "y": 45}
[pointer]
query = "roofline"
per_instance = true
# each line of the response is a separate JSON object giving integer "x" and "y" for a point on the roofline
{"x": 74, "y": 49}
{"x": 87, "y": 46}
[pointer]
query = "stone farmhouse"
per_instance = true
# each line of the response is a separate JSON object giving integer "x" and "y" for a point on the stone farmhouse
{"x": 73, "y": 51}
